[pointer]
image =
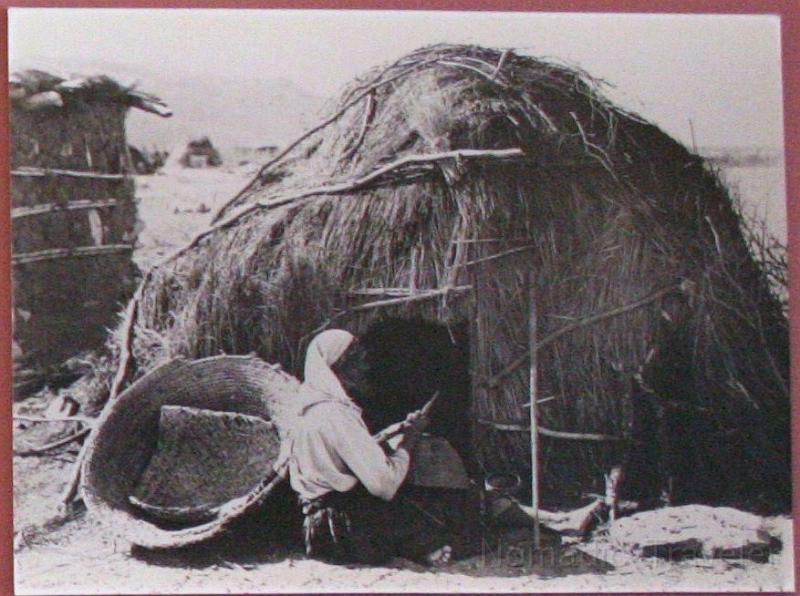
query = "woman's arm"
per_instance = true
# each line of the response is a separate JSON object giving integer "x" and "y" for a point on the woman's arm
{"x": 349, "y": 438}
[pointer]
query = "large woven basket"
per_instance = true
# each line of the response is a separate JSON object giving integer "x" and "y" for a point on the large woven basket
{"x": 125, "y": 440}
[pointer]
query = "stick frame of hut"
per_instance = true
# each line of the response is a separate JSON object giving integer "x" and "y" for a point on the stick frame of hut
{"x": 443, "y": 181}
{"x": 73, "y": 211}
{"x": 533, "y": 329}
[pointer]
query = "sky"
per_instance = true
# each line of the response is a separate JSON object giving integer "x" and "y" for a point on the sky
{"x": 707, "y": 80}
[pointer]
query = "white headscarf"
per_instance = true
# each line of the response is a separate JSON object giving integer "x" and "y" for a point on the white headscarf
{"x": 321, "y": 383}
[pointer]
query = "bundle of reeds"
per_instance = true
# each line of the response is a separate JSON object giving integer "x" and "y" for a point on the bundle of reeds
{"x": 442, "y": 186}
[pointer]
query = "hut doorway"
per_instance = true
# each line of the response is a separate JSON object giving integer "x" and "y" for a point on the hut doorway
{"x": 398, "y": 364}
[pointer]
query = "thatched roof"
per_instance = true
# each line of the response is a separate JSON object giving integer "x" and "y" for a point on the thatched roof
{"x": 36, "y": 89}
{"x": 437, "y": 187}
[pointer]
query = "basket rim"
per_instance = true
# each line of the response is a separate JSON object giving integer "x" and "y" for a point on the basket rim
{"x": 141, "y": 531}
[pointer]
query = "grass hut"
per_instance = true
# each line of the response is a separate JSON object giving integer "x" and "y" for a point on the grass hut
{"x": 464, "y": 186}
{"x": 201, "y": 153}
{"x": 73, "y": 211}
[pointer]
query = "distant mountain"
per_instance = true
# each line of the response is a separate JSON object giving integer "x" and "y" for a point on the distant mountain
{"x": 247, "y": 113}
{"x": 232, "y": 112}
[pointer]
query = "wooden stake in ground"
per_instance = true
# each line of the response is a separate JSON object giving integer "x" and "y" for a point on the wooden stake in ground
{"x": 613, "y": 481}
{"x": 532, "y": 329}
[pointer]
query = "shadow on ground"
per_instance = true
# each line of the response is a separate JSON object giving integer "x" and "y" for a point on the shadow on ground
{"x": 257, "y": 539}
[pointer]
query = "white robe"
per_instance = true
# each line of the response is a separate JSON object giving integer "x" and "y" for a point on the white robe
{"x": 330, "y": 447}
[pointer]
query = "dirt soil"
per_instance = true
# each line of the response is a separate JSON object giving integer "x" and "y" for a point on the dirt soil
{"x": 177, "y": 203}
{"x": 80, "y": 556}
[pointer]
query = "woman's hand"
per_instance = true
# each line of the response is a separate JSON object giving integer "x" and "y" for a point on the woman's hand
{"x": 415, "y": 424}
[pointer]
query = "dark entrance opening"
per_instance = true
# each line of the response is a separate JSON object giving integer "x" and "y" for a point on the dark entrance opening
{"x": 398, "y": 364}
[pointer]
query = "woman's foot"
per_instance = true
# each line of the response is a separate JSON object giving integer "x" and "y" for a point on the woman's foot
{"x": 440, "y": 557}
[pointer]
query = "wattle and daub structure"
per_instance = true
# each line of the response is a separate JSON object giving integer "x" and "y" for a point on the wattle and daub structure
{"x": 481, "y": 195}
{"x": 73, "y": 211}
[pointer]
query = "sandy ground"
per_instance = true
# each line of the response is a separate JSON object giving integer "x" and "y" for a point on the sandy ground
{"x": 82, "y": 557}
{"x": 175, "y": 204}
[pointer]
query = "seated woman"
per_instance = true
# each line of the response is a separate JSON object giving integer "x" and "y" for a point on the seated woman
{"x": 346, "y": 482}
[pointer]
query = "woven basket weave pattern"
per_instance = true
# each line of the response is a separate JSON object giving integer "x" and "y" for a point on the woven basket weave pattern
{"x": 205, "y": 458}
{"x": 126, "y": 436}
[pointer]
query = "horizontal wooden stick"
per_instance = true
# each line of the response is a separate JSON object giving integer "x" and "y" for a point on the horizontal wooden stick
{"x": 572, "y": 436}
{"x": 383, "y": 292}
{"x": 50, "y": 446}
{"x": 407, "y": 161}
{"x": 478, "y": 240}
{"x": 547, "y": 432}
{"x": 500, "y": 255}
{"x": 56, "y": 419}
{"x": 19, "y": 212}
{"x": 38, "y": 172}
{"x": 65, "y": 253}
{"x": 82, "y": 419}
{"x": 543, "y": 400}
{"x": 423, "y": 295}
{"x": 415, "y": 160}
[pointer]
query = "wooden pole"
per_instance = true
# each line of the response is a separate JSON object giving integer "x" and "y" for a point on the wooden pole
{"x": 532, "y": 329}
{"x": 43, "y": 172}
{"x": 412, "y": 275}
{"x": 68, "y": 253}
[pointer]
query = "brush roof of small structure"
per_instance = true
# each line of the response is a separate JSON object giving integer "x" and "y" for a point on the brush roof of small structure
{"x": 437, "y": 187}
{"x": 36, "y": 89}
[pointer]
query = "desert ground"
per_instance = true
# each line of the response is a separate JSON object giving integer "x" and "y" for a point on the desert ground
{"x": 78, "y": 555}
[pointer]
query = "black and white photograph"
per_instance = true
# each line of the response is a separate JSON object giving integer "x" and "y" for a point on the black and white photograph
{"x": 312, "y": 301}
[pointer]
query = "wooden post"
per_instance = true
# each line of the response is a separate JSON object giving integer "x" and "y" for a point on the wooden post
{"x": 532, "y": 334}
{"x": 412, "y": 275}
{"x": 613, "y": 481}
